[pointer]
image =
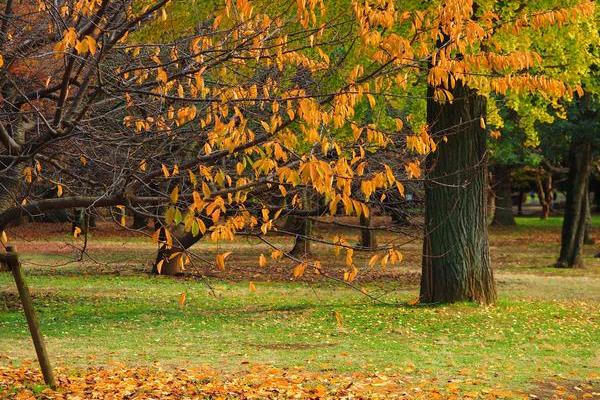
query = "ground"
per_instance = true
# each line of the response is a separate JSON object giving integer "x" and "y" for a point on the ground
{"x": 313, "y": 337}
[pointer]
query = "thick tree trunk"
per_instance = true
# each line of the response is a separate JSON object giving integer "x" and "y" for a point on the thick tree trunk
{"x": 456, "y": 263}
{"x": 140, "y": 221}
{"x": 181, "y": 242}
{"x": 302, "y": 227}
{"x": 503, "y": 214}
{"x": 367, "y": 235}
{"x": 574, "y": 223}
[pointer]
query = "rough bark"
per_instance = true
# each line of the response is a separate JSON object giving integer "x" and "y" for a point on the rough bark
{"x": 302, "y": 227}
{"x": 574, "y": 223}
{"x": 182, "y": 241}
{"x": 503, "y": 213}
{"x": 367, "y": 235}
{"x": 456, "y": 263}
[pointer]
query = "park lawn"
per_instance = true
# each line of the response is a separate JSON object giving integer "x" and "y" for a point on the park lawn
{"x": 544, "y": 330}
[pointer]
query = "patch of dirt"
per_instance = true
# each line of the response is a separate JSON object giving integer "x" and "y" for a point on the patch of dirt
{"x": 566, "y": 389}
{"x": 10, "y": 300}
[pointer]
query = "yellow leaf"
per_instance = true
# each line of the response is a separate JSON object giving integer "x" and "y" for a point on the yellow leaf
{"x": 59, "y": 190}
{"x": 3, "y": 238}
{"x": 400, "y": 188}
{"x": 143, "y": 166}
{"x": 252, "y": 287}
{"x": 91, "y": 44}
{"x": 182, "y": 298}
{"x": 174, "y": 195}
{"x": 371, "y": 100}
{"x": 299, "y": 270}
{"x": 338, "y": 319}
{"x": 76, "y": 232}
{"x": 1, "y": 61}
{"x": 165, "y": 171}
{"x": 482, "y": 122}
{"x": 161, "y": 75}
{"x": 277, "y": 255}
{"x": 28, "y": 172}
{"x": 159, "y": 266}
{"x": 220, "y": 260}
{"x": 374, "y": 260}
{"x": 81, "y": 47}
{"x": 262, "y": 261}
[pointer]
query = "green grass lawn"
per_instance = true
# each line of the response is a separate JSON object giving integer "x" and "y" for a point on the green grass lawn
{"x": 545, "y": 326}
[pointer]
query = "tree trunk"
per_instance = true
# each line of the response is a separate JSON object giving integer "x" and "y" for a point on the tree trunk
{"x": 520, "y": 201}
{"x": 596, "y": 190}
{"x": 503, "y": 214}
{"x": 456, "y": 263}
{"x": 140, "y": 221}
{"x": 573, "y": 229}
{"x": 181, "y": 242}
{"x": 545, "y": 193}
{"x": 367, "y": 235}
{"x": 302, "y": 227}
{"x": 587, "y": 238}
{"x": 491, "y": 203}
{"x": 12, "y": 260}
{"x": 81, "y": 220}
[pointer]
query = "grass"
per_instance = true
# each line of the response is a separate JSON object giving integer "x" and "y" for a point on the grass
{"x": 545, "y": 325}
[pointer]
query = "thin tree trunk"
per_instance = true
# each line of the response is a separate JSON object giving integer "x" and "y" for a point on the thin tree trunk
{"x": 587, "y": 238}
{"x": 12, "y": 260}
{"x": 520, "y": 201}
{"x": 456, "y": 262}
{"x": 367, "y": 235}
{"x": 503, "y": 215}
{"x": 491, "y": 202}
{"x": 574, "y": 223}
{"x": 596, "y": 190}
{"x": 545, "y": 190}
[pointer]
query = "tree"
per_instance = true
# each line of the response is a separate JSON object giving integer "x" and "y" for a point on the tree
{"x": 222, "y": 130}
{"x": 583, "y": 127}
{"x": 469, "y": 49}
{"x": 456, "y": 262}
{"x": 503, "y": 213}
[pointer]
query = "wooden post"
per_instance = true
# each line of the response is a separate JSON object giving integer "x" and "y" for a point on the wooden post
{"x": 12, "y": 259}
